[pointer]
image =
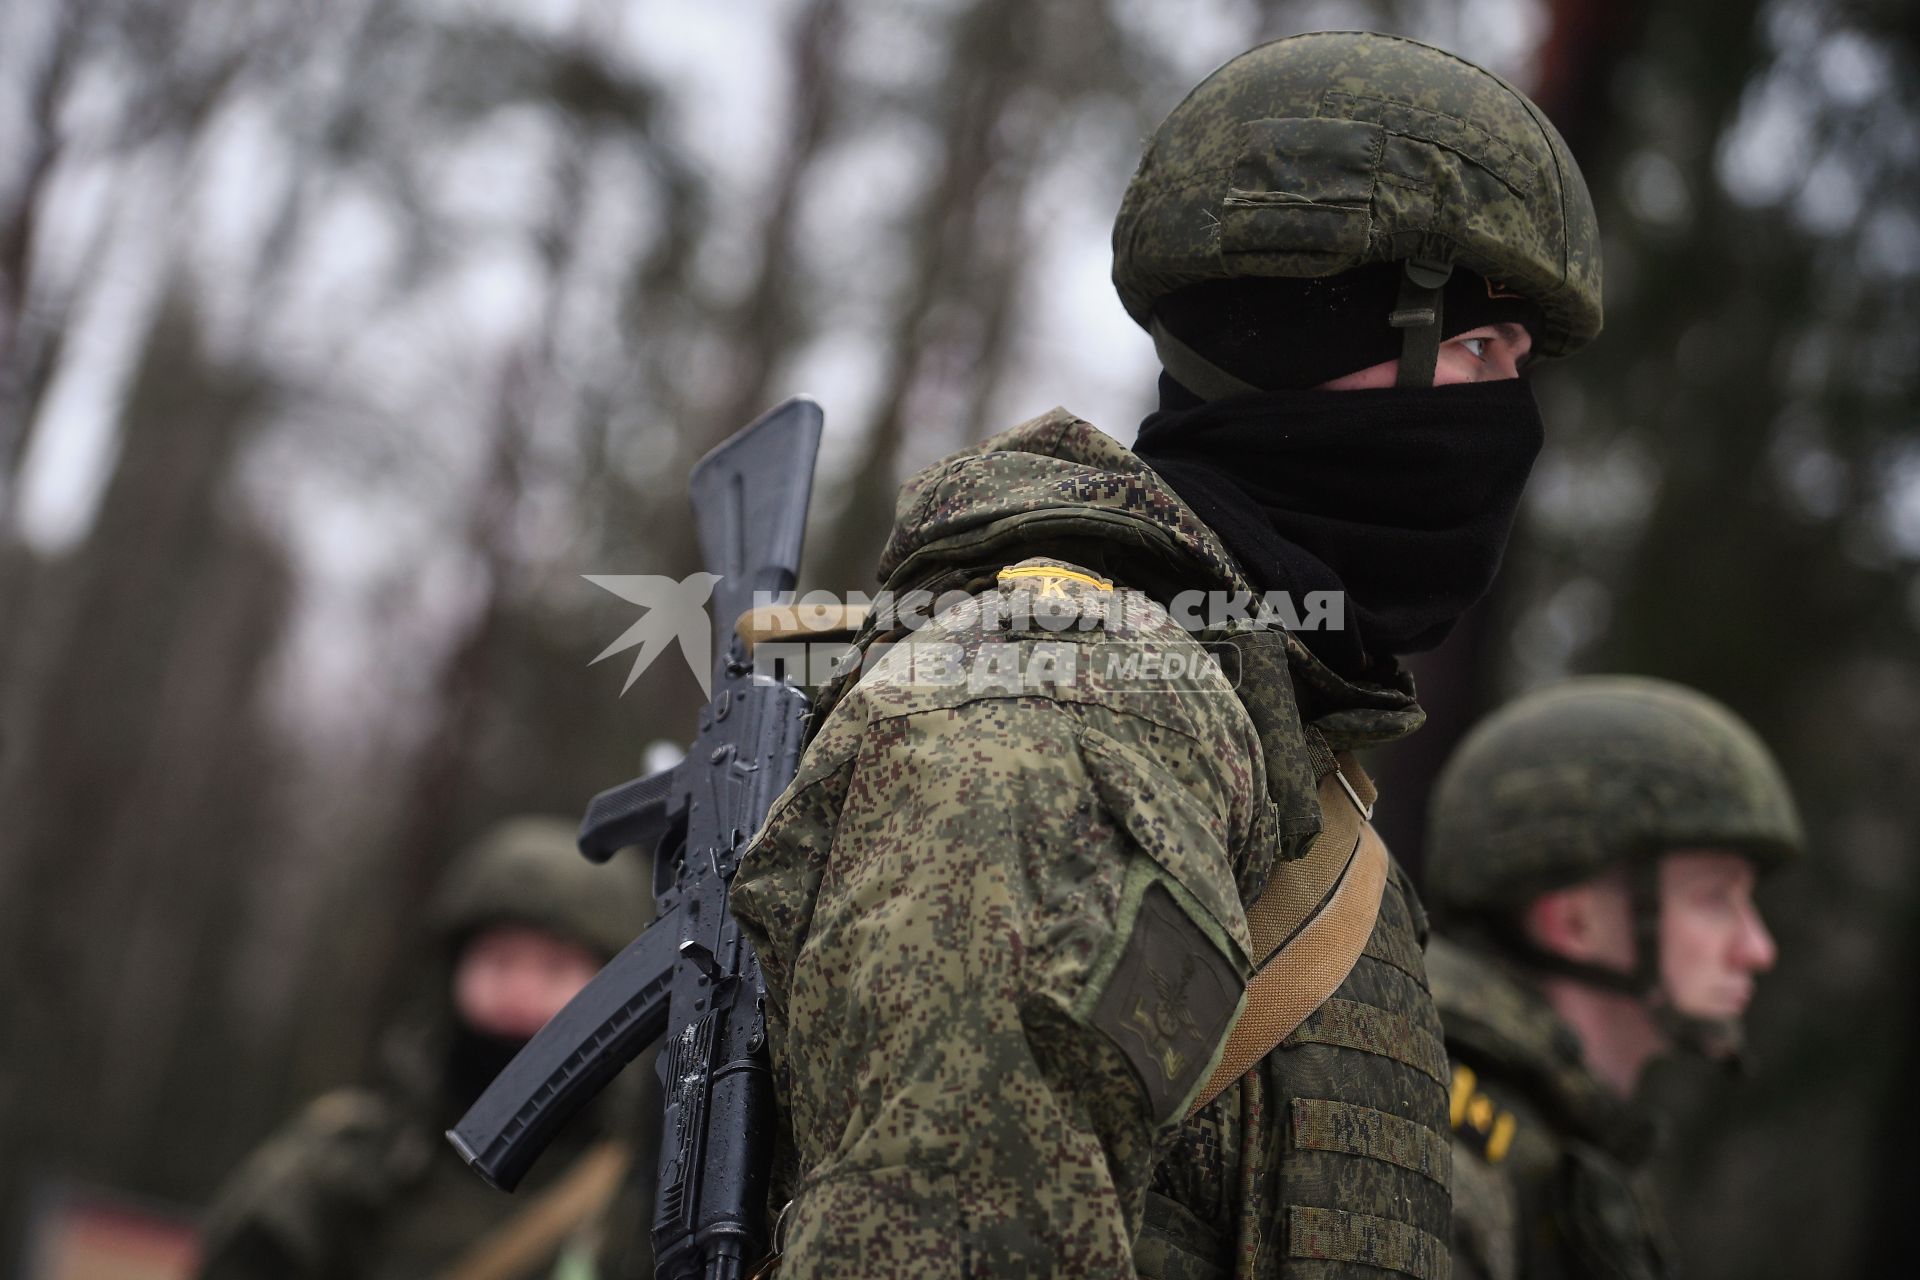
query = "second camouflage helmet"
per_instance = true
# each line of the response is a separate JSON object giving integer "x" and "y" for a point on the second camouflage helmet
{"x": 1560, "y": 785}
{"x": 1319, "y": 153}
{"x": 527, "y": 870}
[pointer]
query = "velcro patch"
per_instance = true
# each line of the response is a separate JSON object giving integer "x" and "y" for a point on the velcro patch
{"x": 1169, "y": 1001}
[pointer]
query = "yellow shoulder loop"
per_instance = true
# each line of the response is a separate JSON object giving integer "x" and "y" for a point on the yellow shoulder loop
{"x": 1046, "y": 571}
{"x": 1463, "y": 1082}
{"x": 1474, "y": 1117}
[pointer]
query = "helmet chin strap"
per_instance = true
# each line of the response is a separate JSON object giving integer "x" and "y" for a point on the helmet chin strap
{"x": 1721, "y": 1041}
{"x": 1192, "y": 370}
{"x": 1418, "y": 313}
{"x": 1716, "y": 1040}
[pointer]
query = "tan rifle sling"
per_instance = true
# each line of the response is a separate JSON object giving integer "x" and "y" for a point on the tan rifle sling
{"x": 1310, "y": 922}
{"x": 531, "y": 1237}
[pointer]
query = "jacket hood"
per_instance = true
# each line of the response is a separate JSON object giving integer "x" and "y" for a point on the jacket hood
{"x": 1057, "y": 486}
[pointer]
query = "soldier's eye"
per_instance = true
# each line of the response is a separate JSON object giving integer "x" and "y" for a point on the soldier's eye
{"x": 1476, "y": 347}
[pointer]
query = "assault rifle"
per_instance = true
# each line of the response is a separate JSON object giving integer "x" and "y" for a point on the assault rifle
{"x": 690, "y": 977}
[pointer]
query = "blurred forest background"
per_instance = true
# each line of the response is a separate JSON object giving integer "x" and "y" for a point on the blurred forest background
{"x": 337, "y": 341}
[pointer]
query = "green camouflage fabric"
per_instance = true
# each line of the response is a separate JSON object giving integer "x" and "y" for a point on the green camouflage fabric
{"x": 360, "y": 1185}
{"x": 1318, "y": 153}
{"x": 1003, "y": 926}
{"x": 1550, "y": 1167}
{"x": 1560, "y": 785}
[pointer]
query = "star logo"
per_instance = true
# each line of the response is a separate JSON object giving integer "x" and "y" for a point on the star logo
{"x": 675, "y": 610}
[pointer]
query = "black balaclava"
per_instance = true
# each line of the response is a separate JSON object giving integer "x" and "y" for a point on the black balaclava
{"x": 1400, "y": 497}
{"x": 1280, "y": 333}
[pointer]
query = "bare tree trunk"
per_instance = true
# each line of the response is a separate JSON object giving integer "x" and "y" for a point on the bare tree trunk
{"x": 433, "y": 820}
{"x": 134, "y": 780}
{"x": 768, "y": 322}
{"x": 26, "y": 348}
{"x": 993, "y": 57}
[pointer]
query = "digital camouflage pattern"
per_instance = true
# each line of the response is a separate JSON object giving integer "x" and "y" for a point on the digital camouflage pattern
{"x": 1318, "y": 153}
{"x": 361, "y": 1185}
{"x": 1550, "y": 1167}
{"x": 1560, "y": 785}
{"x": 1003, "y": 926}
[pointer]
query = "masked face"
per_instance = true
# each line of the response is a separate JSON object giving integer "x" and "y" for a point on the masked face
{"x": 510, "y": 979}
{"x": 1713, "y": 943}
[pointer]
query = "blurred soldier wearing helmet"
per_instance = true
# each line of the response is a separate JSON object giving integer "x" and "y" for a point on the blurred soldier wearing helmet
{"x": 361, "y": 1183}
{"x": 1592, "y": 859}
{"x": 1077, "y": 976}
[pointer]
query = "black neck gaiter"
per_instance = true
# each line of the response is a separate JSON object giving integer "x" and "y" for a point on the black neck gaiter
{"x": 1401, "y": 497}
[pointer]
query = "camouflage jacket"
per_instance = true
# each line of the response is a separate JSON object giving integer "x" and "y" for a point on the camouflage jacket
{"x": 1549, "y": 1165}
{"x": 1003, "y": 926}
{"x": 361, "y": 1187}
{"x": 361, "y": 1184}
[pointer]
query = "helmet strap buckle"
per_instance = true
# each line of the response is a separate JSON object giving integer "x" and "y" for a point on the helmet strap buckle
{"x": 1418, "y": 312}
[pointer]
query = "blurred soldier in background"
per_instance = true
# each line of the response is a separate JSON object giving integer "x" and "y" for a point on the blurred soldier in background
{"x": 362, "y": 1184}
{"x": 1592, "y": 859}
{"x": 1006, "y": 930}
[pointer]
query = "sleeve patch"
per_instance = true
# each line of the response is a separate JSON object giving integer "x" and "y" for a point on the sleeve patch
{"x": 1169, "y": 1001}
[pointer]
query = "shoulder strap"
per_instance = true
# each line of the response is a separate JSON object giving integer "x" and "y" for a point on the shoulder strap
{"x": 529, "y": 1238}
{"x": 1311, "y": 921}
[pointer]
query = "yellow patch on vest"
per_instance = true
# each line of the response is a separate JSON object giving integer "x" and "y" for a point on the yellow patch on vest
{"x": 1463, "y": 1082}
{"x": 1474, "y": 1117}
{"x": 1500, "y": 1141}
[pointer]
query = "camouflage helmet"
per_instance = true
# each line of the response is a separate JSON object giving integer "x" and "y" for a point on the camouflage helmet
{"x": 527, "y": 870}
{"x": 1320, "y": 153}
{"x": 1564, "y": 783}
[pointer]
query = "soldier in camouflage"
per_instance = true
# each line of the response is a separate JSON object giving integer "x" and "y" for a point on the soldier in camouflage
{"x": 361, "y": 1185}
{"x": 1008, "y": 924}
{"x": 1592, "y": 858}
